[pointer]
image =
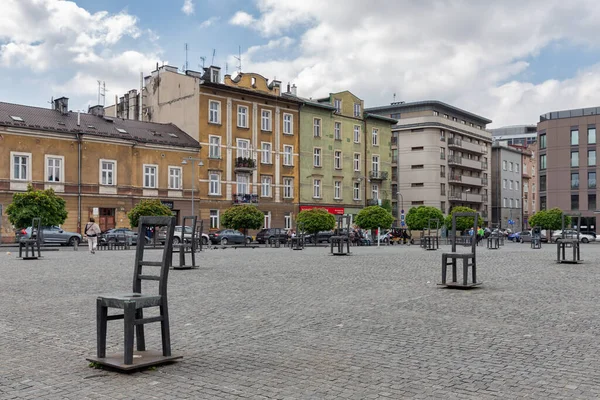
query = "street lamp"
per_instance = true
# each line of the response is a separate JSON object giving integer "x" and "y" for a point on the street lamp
{"x": 200, "y": 164}
{"x": 400, "y": 204}
{"x": 467, "y": 191}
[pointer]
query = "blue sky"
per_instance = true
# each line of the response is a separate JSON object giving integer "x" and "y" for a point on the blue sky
{"x": 509, "y": 61}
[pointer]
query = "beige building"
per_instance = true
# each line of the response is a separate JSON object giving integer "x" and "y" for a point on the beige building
{"x": 440, "y": 156}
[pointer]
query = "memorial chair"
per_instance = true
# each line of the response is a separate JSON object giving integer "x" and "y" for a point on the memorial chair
{"x": 569, "y": 240}
{"x": 133, "y": 304}
{"x": 340, "y": 242}
{"x": 536, "y": 237}
{"x": 469, "y": 260}
{"x": 187, "y": 244}
{"x": 33, "y": 242}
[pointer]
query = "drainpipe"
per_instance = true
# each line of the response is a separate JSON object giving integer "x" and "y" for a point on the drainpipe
{"x": 365, "y": 158}
{"x": 79, "y": 144}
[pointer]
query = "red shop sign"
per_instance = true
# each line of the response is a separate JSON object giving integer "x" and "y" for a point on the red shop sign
{"x": 330, "y": 210}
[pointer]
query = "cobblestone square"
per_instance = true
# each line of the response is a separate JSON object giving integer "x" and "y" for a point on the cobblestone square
{"x": 282, "y": 324}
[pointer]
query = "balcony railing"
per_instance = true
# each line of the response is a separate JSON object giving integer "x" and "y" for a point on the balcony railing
{"x": 378, "y": 175}
{"x": 484, "y": 214}
{"x": 245, "y": 163}
{"x": 455, "y": 178}
{"x": 472, "y": 147}
{"x": 484, "y": 197}
{"x": 454, "y": 159}
{"x": 455, "y": 196}
{"x": 245, "y": 198}
{"x": 484, "y": 181}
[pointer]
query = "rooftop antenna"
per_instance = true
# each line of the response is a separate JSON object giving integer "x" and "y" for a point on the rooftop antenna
{"x": 51, "y": 102}
{"x": 239, "y": 59}
{"x": 101, "y": 92}
{"x": 203, "y": 59}
{"x": 226, "y": 68}
{"x": 394, "y": 97}
{"x": 186, "y": 57}
{"x": 213, "y": 57}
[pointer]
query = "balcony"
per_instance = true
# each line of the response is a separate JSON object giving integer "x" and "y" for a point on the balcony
{"x": 466, "y": 197}
{"x": 484, "y": 214}
{"x": 455, "y": 178}
{"x": 468, "y": 146}
{"x": 244, "y": 164}
{"x": 467, "y": 163}
{"x": 378, "y": 175}
{"x": 245, "y": 198}
{"x": 454, "y": 160}
{"x": 472, "y": 180}
{"x": 372, "y": 202}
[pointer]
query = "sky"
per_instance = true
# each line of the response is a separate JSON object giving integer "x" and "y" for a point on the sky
{"x": 508, "y": 60}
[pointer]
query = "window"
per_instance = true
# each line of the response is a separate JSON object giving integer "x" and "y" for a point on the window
{"x": 54, "y": 168}
{"x": 574, "y": 138}
{"x": 542, "y": 141}
{"x": 418, "y": 184}
{"x": 214, "y": 146}
{"x": 517, "y": 186}
{"x": 337, "y": 190}
{"x": 445, "y": 116}
{"x": 542, "y": 183}
{"x": 267, "y": 219}
{"x": 214, "y": 112}
{"x": 356, "y": 133}
{"x": 592, "y": 202}
{"x": 443, "y": 207}
{"x": 375, "y": 137}
{"x": 542, "y": 162}
{"x": 525, "y": 168}
{"x": 357, "y": 109}
{"x": 375, "y": 164}
{"x": 242, "y": 184}
{"x": 337, "y": 159}
{"x": 214, "y": 179}
{"x": 574, "y": 159}
{"x": 435, "y": 113}
{"x": 574, "y": 202}
{"x": 504, "y": 182}
{"x": 356, "y": 190}
{"x": 443, "y": 135}
{"x": 511, "y": 203}
{"x": 416, "y": 148}
{"x": 517, "y": 203}
{"x": 150, "y": 176}
{"x": 175, "y": 178}
{"x": 265, "y": 120}
{"x": 337, "y": 103}
{"x": 288, "y": 188}
{"x": 214, "y": 219}
{"x": 575, "y": 181}
{"x": 419, "y": 166}
{"x": 21, "y": 170}
{"x": 442, "y": 171}
{"x": 543, "y": 203}
{"x": 442, "y": 153}
{"x": 517, "y": 168}
{"x": 533, "y": 188}
{"x": 317, "y": 127}
{"x": 288, "y": 154}
{"x": 510, "y": 185}
{"x": 395, "y": 115}
{"x": 287, "y": 221}
{"x": 288, "y": 124}
{"x": 242, "y": 117}
{"x": 266, "y": 186}
{"x": 510, "y": 167}
{"x": 462, "y": 121}
{"x": 243, "y": 148}
{"x": 504, "y": 163}
{"x": 443, "y": 189}
{"x": 591, "y": 180}
{"x": 317, "y": 188}
{"x": 357, "y": 161}
{"x": 316, "y": 157}
{"x": 591, "y": 135}
{"x": 267, "y": 157}
{"x": 108, "y": 172}
{"x": 592, "y": 158}
{"x": 375, "y": 191}
{"x": 337, "y": 130}
{"x": 504, "y": 202}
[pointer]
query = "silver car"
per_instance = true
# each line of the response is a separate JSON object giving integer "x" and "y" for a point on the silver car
{"x": 53, "y": 235}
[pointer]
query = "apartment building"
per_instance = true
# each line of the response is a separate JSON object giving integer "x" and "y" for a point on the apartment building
{"x": 516, "y": 135}
{"x": 345, "y": 158}
{"x": 529, "y": 182}
{"x": 440, "y": 156}
{"x": 507, "y": 187}
{"x": 249, "y": 133}
{"x": 567, "y": 165}
{"x": 102, "y": 166}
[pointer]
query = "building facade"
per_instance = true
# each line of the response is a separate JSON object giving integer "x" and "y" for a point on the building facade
{"x": 249, "y": 133}
{"x": 101, "y": 166}
{"x": 507, "y": 187}
{"x": 516, "y": 135}
{"x": 345, "y": 159}
{"x": 529, "y": 182}
{"x": 567, "y": 163}
{"x": 440, "y": 155}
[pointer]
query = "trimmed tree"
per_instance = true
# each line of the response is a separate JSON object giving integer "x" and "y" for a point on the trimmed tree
{"x": 374, "y": 217}
{"x": 147, "y": 208}
{"x": 549, "y": 219}
{"x": 243, "y": 217}
{"x": 43, "y": 204}
{"x": 462, "y": 223}
{"x": 316, "y": 220}
{"x": 418, "y": 217}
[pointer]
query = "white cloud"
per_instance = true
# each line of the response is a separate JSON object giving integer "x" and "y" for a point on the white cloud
{"x": 209, "y": 22}
{"x": 242, "y": 18}
{"x": 463, "y": 52}
{"x": 188, "y": 7}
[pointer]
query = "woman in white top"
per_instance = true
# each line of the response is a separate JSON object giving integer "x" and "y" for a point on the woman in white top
{"x": 92, "y": 230}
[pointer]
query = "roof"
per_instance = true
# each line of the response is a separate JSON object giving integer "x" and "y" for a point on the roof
{"x": 441, "y": 104}
{"x": 574, "y": 113}
{"x": 45, "y": 119}
{"x": 309, "y": 102}
{"x": 381, "y": 117}
{"x": 250, "y": 92}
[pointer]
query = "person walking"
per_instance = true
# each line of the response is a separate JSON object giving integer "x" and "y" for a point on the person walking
{"x": 92, "y": 230}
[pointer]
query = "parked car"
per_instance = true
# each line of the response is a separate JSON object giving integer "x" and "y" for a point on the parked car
{"x": 514, "y": 237}
{"x": 320, "y": 237}
{"x": 228, "y": 236}
{"x": 265, "y": 235}
{"x": 179, "y": 236}
{"x": 120, "y": 235}
{"x": 53, "y": 235}
{"x": 571, "y": 233}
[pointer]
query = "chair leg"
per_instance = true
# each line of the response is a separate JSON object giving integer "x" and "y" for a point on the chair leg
{"x": 129, "y": 319}
{"x": 140, "y": 338}
{"x": 444, "y": 268}
{"x": 474, "y": 270}
{"x": 454, "y": 277}
{"x": 164, "y": 329}
{"x": 101, "y": 322}
{"x": 193, "y": 255}
{"x": 20, "y": 250}
{"x": 465, "y": 271}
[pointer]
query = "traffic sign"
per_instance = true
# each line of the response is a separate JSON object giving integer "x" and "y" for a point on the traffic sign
{"x": 511, "y": 222}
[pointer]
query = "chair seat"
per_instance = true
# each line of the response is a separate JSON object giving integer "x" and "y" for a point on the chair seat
{"x": 458, "y": 255}
{"x": 141, "y": 300}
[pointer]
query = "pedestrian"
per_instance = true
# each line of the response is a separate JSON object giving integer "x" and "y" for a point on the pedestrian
{"x": 92, "y": 230}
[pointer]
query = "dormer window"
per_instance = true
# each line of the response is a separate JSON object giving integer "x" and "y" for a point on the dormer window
{"x": 15, "y": 118}
{"x": 215, "y": 75}
{"x": 121, "y": 130}
{"x": 173, "y": 135}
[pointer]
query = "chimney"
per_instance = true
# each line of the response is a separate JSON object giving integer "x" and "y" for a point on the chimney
{"x": 288, "y": 88}
{"x": 62, "y": 105}
{"x": 96, "y": 110}
{"x": 294, "y": 90}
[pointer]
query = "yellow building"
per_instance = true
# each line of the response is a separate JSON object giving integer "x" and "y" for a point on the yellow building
{"x": 102, "y": 166}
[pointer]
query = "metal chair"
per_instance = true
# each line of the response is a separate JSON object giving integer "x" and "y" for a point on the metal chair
{"x": 569, "y": 241}
{"x": 33, "y": 242}
{"x": 340, "y": 239}
{"x": 469, "y": 260}
{"x": 187, "y": 245}
{"x": 133, "y": 304}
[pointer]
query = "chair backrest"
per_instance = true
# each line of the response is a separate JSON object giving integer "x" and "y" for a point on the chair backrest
{"x": 37, "y": 232}
{"x": 475, "y": 217}
{"x": 190, "y": 221}
{"x": 571, "y": 234}
{"x": 166, "y": 259}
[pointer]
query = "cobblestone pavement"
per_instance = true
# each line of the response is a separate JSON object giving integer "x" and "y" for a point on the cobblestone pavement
{"x": 282, "y": 324}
